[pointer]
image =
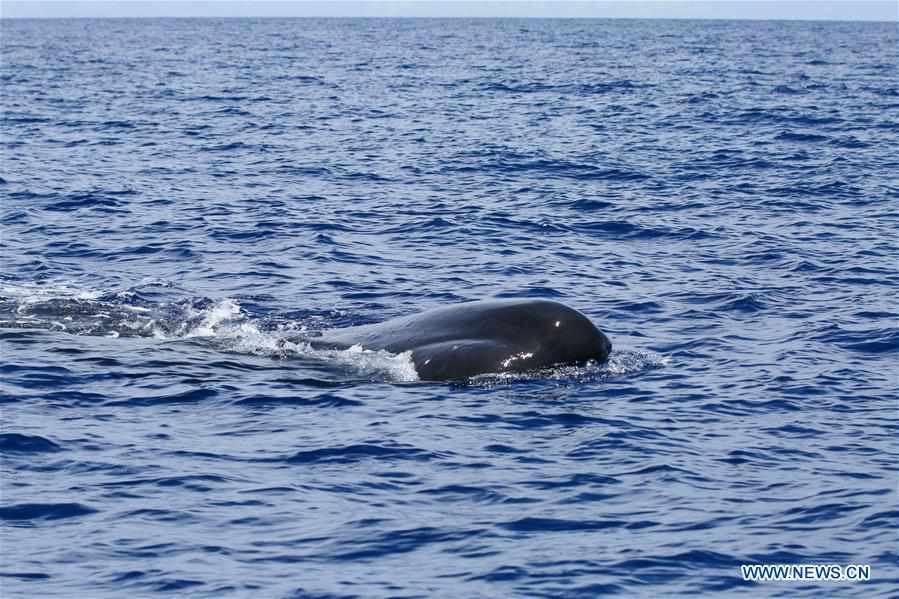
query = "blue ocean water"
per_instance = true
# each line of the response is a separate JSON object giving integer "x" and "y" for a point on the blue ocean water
{"x": 182, "y": 198}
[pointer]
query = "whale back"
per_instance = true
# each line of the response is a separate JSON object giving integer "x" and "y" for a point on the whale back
{"x": 487, "y": 336}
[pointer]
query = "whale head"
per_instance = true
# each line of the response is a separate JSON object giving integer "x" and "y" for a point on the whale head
{"x": 541, "y": 333}
{"x": 566, "y": 336}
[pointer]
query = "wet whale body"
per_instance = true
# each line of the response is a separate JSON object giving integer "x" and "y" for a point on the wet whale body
{"x": 492, "y": 336}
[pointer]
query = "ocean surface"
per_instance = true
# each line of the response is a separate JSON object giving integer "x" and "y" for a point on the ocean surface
{"x": 184, "y": 200}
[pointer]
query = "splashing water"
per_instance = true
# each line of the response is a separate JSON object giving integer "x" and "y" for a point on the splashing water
{"x": 221, "y": 323}
{"x": 225, "y": 325}
{"x": 620, "y": 363}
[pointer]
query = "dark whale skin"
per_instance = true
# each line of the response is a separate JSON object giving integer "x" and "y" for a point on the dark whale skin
{"x": 491, "y": 336}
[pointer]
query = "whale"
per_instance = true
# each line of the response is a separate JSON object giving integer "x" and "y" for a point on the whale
{"x": 464, "y": 340}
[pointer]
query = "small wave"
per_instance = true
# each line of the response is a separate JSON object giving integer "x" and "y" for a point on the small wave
{"x": 302, "y": 593}
{"x": 801, "y": 137}
{"x": 813, "y": 121}
{"x": 23, "y": 120}
{"x": 574, "y": 89}
{"x": 850, "y": 142}
{"x": 194, "y": 482}
{"x": 535, "y": 291}
{"x": 237, "y": 145}
{"x": 16, "y": 443}
{"x": 787, "y": 90}
{"x": 44, "y": 511}
{"x": 29, "y": 576}
{"x": 323, "y": 400}
{"x": 586, "y": 205}
{"x": 750, "y": 303}
{"x": 355, "y": 453}
{"x": 633, "y": 230}
{"x": 116, "y": 125}
{"x": 532, "y": 524}
{"x": 871, "y": 341}
{"x": 212, "y": 98}
{"x": 84, "y": 200}
{"x": 191, "y": 396}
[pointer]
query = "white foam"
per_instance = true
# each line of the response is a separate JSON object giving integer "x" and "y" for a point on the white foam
{"x": 396, "y": 367}
{"x": 629, "y": 361}
{"x": 32, "y": 293}
{"x": 233, "y": 330}
{"x": 620, "y": 363}
{"x": 214, "y": 317}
